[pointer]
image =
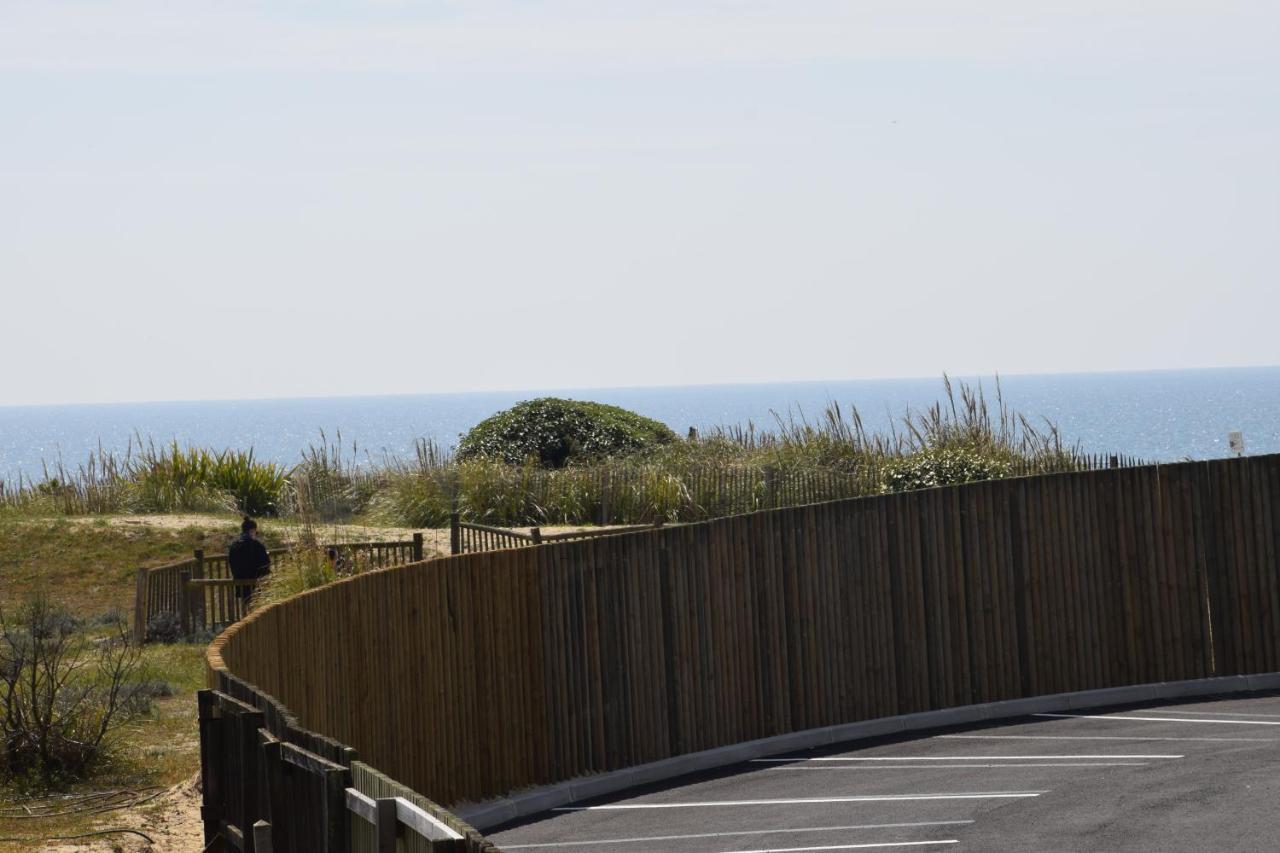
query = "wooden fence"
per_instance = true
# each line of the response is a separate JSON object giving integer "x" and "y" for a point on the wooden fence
{"x": 199, "y": 591}
{"x": 475, "y": 675}
{"x": 636, "y": 493}
{"x": 270, "y": 786}
{"x": 468, "y": 538}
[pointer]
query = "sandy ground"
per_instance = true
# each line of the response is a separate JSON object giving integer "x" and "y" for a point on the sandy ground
{"x": 435, "y": 540}
{"x": 171, "y": 821}
{"x": 180, "y": 522}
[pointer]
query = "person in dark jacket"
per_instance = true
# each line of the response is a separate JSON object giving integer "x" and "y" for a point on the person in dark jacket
{"x": 248, "y": 558}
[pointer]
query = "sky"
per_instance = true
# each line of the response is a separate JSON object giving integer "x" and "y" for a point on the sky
{"x": 241, "y": 199}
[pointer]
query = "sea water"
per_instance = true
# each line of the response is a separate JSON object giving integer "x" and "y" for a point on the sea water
{"x": 1159, "y": 415}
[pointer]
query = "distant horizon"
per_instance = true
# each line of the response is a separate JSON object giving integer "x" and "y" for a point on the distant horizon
{"x": 1160, "y": 414}
{"x": 642, "y": 387}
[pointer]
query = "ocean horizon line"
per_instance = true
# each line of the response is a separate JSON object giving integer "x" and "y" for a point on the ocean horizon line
{"x": 959, "y": 377}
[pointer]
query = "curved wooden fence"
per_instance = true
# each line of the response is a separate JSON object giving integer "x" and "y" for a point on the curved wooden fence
{"x": 198, "y": 592}
{"x": 471, "y": 676}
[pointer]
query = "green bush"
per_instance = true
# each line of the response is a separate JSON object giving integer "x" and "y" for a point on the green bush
{"x": 554, "y": 432}
{"x": 943, "y": 467}
{"x": 172, "y": 479}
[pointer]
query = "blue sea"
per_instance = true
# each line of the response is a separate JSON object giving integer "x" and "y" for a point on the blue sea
{"x": 1160, "y": 415}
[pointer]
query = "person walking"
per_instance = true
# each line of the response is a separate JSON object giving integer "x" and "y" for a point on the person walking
{"x": 248, "y": 560}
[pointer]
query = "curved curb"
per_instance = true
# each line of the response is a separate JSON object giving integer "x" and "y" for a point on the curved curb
{"x": 484, "y": 816}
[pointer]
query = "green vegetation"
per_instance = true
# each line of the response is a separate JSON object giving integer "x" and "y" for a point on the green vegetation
{"x": 89, "y": 564}
{"x": 947, "y": 466}
{"x": 560, "y": 462}
{"x": 554, "y": 433}
{"x": 196, "y": 479}
{"x": 78, "y": 573}
{"x": 63, "y": 692}
{"x": 960, "y": 439}
{"x": 155, "y": 479}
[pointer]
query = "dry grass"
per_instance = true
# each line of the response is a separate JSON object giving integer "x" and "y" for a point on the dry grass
{"x": 88, "y": 564}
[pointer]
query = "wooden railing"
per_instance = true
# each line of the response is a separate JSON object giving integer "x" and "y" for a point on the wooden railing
{"x": 466, "y": 537}
{"x": 475, "y": 675}
{"x": 199, "y": 593}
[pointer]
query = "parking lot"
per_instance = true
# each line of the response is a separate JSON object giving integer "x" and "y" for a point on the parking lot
{"x": 1199, "y": 776}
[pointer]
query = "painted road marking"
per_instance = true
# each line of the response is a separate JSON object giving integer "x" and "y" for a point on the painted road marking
{"x": 1216, "y": 713}
{"x": 957, "y": 766}
{"x": 882, "y": 844}
{"x": 1162, "y": 719}
{"x": 737, "y": 833}
{"x": 839, "y": 758}
{"x": 1111, "y": 737}
{"x": 875, "y": 798}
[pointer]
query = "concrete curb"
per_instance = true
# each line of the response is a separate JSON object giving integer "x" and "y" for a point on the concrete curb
{"x": 486, "y": 815}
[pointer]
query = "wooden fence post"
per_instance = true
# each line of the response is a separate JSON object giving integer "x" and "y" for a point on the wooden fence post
{"x": 388, "y": 824}
{"x": 337, "y": 820}
{"x": 184, "y": 601}
{"x": 536, "y": 532}
{"x": 250, "y": 774}
{"x": 212, "y": 759}
{"x": 197, "y": 593}
{"x": 140, "y": 608}
{"x": 455, "y": 533}
{"x": 262, "y": 837}
{"x": 417, "y": 547}
{"x": 274, "y": 795}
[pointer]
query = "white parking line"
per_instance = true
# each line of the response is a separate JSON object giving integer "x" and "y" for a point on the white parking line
{"x": 882, "y": 844}
{"x": 842, "y": 758}
{"x": 1007, "y": 766}
{"x": 1216, "y": 713}
{"x": 873, "y": 798}
{"x": 1112, "y": 737}
{"x": 1162, "y": 719}
{"x": 738, "y": 833}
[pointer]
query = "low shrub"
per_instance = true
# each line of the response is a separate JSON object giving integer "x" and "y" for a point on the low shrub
{"x": 943, "y": 467}
{"x": 164, "y": 627}
{"x": 62, "y": 694}
{"x": 173, "y": 478}
{"x": 552, "y": 432}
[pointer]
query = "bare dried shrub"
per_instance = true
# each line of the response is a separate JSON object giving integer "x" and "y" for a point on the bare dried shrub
{"x": 62, "y": 693}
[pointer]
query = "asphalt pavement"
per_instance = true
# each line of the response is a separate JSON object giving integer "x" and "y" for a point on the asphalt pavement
{"x": 1192, "y": 776}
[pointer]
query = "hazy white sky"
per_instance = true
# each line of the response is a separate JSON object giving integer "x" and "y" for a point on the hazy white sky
{"x": 246, "y": 199}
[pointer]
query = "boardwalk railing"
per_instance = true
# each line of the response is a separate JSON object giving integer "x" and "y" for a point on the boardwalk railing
{"x": 468, "y": 677}
{"x": 466, "y": 537}
{"x": 199, "y": 592}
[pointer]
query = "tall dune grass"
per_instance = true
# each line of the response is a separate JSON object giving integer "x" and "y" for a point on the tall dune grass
{"x": 155, "y": 478}
{"x": 961, "y": 438}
